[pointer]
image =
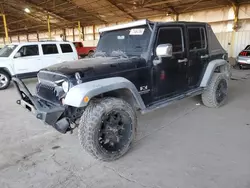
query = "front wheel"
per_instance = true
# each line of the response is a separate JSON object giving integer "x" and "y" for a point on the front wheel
{"x": 4, "y": 80}
{"x": 107, "y": 128}
{"x": 215, "y": 94}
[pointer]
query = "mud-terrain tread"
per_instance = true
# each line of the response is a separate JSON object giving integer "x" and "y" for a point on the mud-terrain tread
{"x": 91, "y": 119}
{"x": 209, "y": 97}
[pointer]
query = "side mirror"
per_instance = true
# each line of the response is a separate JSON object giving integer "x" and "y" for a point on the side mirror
{"x": 18, "y": 54}
{"x": 164, "y": 50}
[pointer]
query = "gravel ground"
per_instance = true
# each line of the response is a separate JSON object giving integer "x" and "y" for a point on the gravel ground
{"x": 185, "y": 145}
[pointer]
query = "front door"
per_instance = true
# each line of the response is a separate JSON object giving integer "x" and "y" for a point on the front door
{"x": 28, "y": 63}
{"x": 198, "y": 54}
{"x": 170, "y": 74}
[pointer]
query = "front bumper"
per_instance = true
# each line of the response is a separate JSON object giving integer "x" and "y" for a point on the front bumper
{"x": 49, "y": 113}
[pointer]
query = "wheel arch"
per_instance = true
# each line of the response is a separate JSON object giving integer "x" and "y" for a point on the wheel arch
{"x": 118, "y": 87}
{"x": 218, "y": 66}
{"x": 125, "y": 94}
{"x": 6, "y": 70}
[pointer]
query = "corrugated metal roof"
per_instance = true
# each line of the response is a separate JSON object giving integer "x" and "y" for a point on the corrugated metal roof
{"x": 66, "y": 13}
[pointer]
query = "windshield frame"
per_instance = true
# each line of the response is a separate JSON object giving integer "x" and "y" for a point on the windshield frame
{"x": 144, "y": 54}
{"x": 11, "y": 52}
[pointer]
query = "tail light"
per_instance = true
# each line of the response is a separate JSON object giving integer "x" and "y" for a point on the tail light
{"x": 244, "y": 53}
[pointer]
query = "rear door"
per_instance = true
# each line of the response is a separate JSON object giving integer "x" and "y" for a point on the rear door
{"x": 29, "y": 63}
{"x": 50, "y": 54}
{"x": 68, "y": 52}
{"x": 198, "y": 54}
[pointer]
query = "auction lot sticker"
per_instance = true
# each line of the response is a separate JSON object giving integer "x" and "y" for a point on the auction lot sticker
{"x": 138, "y": 31}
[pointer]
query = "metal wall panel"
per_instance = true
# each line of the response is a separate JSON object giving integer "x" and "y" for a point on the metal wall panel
{"x": 241, "y": 40}
{"x": 225, "y": 40}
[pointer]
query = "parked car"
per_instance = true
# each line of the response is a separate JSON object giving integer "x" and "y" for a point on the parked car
{"x": 243, "y": 59}
{"x": 140, "y": 66}
{"x": 26, "y": 59}
{"x": 84, "y": 51}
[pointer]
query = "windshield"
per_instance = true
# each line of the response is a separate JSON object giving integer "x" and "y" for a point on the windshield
{"x": 125, "y": 42}
{"x": 7, "y": 50}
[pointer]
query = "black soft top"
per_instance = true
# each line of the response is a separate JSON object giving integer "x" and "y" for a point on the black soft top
{"x": 214, "y": 45}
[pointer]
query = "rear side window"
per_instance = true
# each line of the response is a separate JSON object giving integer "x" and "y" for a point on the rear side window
{"x": 66, "y": 48}
{"x": 197, "y": 38}
{"x": 49, "y": 49}
{"x": 29, "y": 50}
{"x": 172, "y": 36}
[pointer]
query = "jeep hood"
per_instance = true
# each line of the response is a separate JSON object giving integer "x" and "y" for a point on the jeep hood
{"x": 96, "y": 66}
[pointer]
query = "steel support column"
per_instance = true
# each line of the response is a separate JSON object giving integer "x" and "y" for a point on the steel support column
{"x": 235, "y": 26}
{"x": 79, "y": 30}
{"x": 5, "y": 28}
{"x": 48, "y": 21}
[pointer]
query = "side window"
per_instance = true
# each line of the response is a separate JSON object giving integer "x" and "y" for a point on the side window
{"x": 66, "y": 48}
{"x": 49, "y": 49}
{"x": 29, "y": 50}
{"x": 172, "y": 36}
{"x": 197, "y": 38}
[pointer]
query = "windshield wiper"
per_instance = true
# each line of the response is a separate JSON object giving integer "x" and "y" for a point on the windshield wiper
{"x": 100, "y": 53}
{"x": 119, "y": 53}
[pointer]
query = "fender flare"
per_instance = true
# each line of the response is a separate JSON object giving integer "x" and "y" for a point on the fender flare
{"x": 212, "y": 67}
{"x": 94, "y": 88}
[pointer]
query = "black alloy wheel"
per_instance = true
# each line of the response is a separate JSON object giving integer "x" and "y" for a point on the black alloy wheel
{"x": 221, "y": 91}
{"x": 115, "y": 131}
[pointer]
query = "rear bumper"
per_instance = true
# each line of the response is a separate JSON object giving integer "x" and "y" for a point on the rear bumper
{"x": 243, "y": 60}
{"x": 49, "y": 113}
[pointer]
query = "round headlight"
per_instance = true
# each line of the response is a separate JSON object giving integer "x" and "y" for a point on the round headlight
{"x": 65, "y": 86}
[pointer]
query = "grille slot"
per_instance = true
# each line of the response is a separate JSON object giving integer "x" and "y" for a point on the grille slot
{"x": 47, "y": 92}
{"x": 47, "y": 89}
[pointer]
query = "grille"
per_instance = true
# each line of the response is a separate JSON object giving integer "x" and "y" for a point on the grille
{"x": 47, "y": 92}
{"x": 47, "y": 89}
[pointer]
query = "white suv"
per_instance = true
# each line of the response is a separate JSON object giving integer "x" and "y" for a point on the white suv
{"x": 26, "y": 59}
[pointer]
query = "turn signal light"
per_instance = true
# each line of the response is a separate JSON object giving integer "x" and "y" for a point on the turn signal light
{"x": 86, "y": 99}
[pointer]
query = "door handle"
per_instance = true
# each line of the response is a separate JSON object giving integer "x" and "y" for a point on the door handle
{"x": 183, "y": 60}
{"x": 204, "y": 56}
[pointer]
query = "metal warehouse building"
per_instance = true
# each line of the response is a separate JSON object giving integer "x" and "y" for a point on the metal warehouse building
{"x": 81, "y": 20}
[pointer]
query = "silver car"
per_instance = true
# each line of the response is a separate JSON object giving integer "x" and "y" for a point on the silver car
{"x": 243, "y": 59}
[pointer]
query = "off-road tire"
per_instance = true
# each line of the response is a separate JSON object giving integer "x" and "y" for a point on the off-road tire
{"x": 209, "y": 95}
{"x": 91, "y": 121}
{"x": 8, "y": 77}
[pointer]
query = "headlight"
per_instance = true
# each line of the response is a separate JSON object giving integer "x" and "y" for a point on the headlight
{"x": 65, "y": 86}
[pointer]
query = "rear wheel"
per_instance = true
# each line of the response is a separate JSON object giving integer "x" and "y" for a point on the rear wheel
{"x": 216, "y": 93}
{"x": 91, "y": 53}
{"x": 107, "y": 128}
{"x": 4, "y": 80}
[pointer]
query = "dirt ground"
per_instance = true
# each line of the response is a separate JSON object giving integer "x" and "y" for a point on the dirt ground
{"x": 185, "y": 145}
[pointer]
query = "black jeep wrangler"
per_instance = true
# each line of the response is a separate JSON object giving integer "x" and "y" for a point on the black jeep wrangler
{"x": 139, "y": 66}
